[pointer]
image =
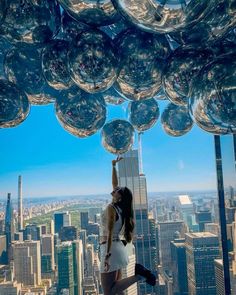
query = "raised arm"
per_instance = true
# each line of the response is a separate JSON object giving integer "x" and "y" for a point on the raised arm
{"x": 114, "y": 172}
{"x": 114, "y": 176}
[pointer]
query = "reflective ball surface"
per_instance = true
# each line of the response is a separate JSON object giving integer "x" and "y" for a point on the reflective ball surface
{"x": 176, "y": 120}
{"x": 91, "y": 12}
{"x": 92, "y": 61}
{"x": 4, "y": 48}
{"x": 213, "y": 98}
{"x": 115, "y": 29}
{"x": 160, "y": 16}
{"x": 23, "y": 67}
{"x": 14, "y": 105}
{"x": 143, "y": 114}
{"x": 141, "y": 59}
{"x": 2, "y": 10}
{"x": 226, "y": 45}
{"x": 111, "y": 96}
{"x": 31, "y": 21}
{"x": 80, "y": 113}
{"x": 160, "y": 95}
{"x": 70, "y": 28}
{"x": 214, "y": 26}
{"x": 117, "y": 136}
{"x": 54, "y": 64}
{"x": 180, "y": 69}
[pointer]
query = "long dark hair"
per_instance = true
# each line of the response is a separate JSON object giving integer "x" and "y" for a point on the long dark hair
{"x": 126, "y": 205}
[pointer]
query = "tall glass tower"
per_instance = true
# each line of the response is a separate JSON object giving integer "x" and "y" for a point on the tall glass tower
{"x": 9, "y": 225}
{"x": 144, "y": 239}
{"x": 202, "y": 249}
{"x": 65, "y": 267}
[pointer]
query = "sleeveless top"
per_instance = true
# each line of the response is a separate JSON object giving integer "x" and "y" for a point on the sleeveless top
{"x": 117, "y": 225}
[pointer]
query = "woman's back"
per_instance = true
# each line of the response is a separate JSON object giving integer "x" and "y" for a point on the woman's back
{"x": 118, "y": 225}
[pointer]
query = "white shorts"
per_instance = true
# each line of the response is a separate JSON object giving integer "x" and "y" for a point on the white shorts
{"x": 119, "y": 256}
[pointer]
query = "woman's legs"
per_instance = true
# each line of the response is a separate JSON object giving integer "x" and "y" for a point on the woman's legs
{"x": 107, "y": 280}
{"x": 119, "y": 277}
{"x": 112, "y": 286}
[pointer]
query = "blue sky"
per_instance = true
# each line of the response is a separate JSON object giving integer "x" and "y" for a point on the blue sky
{"x": 53, "y": 162}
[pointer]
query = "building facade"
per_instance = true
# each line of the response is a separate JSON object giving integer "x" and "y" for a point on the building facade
{"x": 201, "y": 250}
{"x": 27, "y": 262}
{"x": 65, "y": 267}
{"x": 61, "y": 219}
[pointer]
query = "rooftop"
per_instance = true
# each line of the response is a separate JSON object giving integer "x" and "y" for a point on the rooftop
{"x": 185, "y": 200}
{"x": 201, "y": 235}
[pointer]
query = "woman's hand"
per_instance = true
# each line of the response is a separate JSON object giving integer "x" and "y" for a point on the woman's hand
{"x": 107, "y": 263}
{"x": 116, "y": 160}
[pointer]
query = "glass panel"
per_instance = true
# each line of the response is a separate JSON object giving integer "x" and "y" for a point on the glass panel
{"x": 226, "y": 177}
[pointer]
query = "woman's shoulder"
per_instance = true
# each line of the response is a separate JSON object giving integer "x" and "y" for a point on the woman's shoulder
{"x": 113, "y": 207}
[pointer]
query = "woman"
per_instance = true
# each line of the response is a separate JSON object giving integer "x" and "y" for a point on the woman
{"x": 117, "y": 219}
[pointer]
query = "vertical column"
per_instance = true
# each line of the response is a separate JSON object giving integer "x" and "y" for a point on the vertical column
{"x": 20, "y": 213}
{"x": 221, "y": 203}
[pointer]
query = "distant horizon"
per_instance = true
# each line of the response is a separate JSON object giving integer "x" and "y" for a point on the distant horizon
{"x": 14, "y": 197}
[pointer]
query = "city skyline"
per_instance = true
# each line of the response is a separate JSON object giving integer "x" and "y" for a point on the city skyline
{"x": 53, "y": 162}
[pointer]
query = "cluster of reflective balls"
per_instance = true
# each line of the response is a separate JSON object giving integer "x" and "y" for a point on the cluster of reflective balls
{"x": 82, "y": 55}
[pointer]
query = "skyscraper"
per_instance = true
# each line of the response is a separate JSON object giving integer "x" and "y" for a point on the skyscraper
{"x": 90, "y": 260}
{"x": 185, "y": 206}
{"x": 219, "y": 273}
{"x": 3, "y": 250}
{"x": 167, "y": 232}
{"x": 61, "y": 219}
{"x": 129, "y": 270}
{"x": 203, "y": 217}
{"x": 20, "y": 208}
{"x": 128, "y": 173}
{"x": 84, "y": 220}
{"x": 32, "y": 232}
{"x": 27, "y": 263}
{"x": 179, "y": 267}
{"x": 65, "y": 267}
{"x": 47, "y": 255}
{"x": 78, "y": 264}
{"x": 10, "y": 288}
{"x": 129, "y": 176}
{"x": 9, "y": 225}
{"x": 201, "y": 250}
{"x": 68, "y": 233}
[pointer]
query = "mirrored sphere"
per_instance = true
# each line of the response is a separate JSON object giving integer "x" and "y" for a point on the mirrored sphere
{"x": 213, "y": 96}
{"x": 111, "y": 96}
{"x": 176, "y": 120}
{"x": 91, "y": 12}
{"x": 143, "y": 114}
{"x": 80, "y": 113}
{"x": 180, "y": 69}
{"x": 225, "y": 45}
{"x": 92, "y": 61}
{"x": 14, "y": 105}
{"x": 115, "y": 29}
{"x": 70, "y": 28}
{"x": 214, "y": 26}
{"x": 117, "y": 136}
{"x": 2, "y": 10}
{"x": 54, "y": 64}
{"x": 141, "y": 59}
{"x": 164, "y": 16}
{"x": 23, "y": 67}
{"x": 31, "y": 21}
{"x": 160, "y": 95}
{"x": 4, "y": 48}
